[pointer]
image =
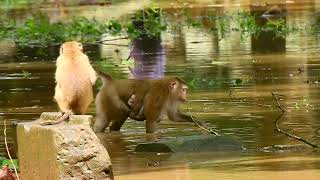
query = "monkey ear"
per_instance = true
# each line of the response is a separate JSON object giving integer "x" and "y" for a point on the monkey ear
{"x": 61, "y": 50}
{"x": 173, "y": 84}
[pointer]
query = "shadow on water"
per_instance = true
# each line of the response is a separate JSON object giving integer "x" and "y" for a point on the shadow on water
{"x": 230, "y": 80}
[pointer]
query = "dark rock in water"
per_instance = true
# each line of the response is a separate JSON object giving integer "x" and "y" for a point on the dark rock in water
{"x": 192, "y": 144}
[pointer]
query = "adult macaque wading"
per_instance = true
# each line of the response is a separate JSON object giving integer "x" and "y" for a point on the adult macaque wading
{"x": 149, "y": 100}
{"x": 74, "y": 80}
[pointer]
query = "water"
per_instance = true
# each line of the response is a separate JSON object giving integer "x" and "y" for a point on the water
{"x": 230, "y": 81}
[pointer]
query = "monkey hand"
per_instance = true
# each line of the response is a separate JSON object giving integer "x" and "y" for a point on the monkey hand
{"x": 137, "y": 117}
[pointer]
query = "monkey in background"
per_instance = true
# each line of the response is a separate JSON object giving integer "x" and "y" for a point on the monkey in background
{"x": 149, "y": 100}
{"x": 74, "y": 80}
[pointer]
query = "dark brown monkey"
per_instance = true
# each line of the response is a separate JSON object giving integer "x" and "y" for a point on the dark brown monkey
{"x": 158, "y": 98}
{"x": 74, "y": 79}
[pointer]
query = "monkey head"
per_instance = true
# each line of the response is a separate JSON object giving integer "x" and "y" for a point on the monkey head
{"x": 71, "y": 48}
{"x": 178, "y": 89}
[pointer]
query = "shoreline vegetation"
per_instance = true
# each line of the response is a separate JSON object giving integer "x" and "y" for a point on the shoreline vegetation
{"x": 38, "y": 30}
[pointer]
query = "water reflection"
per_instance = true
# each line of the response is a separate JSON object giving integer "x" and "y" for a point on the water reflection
{"x": 149, "y": 59}
{"x": 266, "y": 41}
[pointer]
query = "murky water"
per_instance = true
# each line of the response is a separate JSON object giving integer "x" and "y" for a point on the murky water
{"x": 212, "y": 68}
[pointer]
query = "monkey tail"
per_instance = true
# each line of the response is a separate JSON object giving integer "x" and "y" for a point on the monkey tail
{"x": 104, "y": 77}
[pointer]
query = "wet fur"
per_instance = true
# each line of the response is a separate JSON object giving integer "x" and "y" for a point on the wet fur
{"x": 74, "y": 79}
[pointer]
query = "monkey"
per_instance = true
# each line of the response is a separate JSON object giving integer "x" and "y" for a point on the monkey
{"x": 6, "y": 174}
{"x": 155, "y": 99}
{"x": 135, "y": 104}
{"x": 74, "y": 78}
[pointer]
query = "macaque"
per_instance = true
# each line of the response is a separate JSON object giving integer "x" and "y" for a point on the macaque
{"x": 5, "y": 173}
{"x": 74, "y": 80}
{"x": 149, "y": 100}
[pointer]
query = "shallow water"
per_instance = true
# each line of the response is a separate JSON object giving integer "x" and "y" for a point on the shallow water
{"x": 211, "y": 67}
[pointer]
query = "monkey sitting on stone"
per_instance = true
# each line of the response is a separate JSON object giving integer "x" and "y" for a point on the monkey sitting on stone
{"x": 74, "y": 80}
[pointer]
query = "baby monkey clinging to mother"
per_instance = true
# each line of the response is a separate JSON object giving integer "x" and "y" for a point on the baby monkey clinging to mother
{"x": 149, "y": 100}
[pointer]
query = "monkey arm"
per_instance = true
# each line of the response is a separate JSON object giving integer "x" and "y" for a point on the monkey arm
{"x": 92, "y": 74}
{"x": 180, "y": 117}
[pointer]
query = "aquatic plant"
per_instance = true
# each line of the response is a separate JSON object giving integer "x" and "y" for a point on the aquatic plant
{"x": 4, "y": 161}
{"x": 148, "y": 23}
{"x": 243, "y": 22}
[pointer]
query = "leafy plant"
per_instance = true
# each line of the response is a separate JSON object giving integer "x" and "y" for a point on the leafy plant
{"x": 145, "y": 23}
{"x": 4, "y": 161}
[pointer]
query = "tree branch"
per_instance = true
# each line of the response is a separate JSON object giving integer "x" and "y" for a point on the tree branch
{"x": 201, "y": 127}
{"x": 277, "y": 128}
{"x": 7, "y": 148}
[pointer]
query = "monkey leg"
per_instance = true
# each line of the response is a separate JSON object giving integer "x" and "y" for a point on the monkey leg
{"x": 137, "y": 116}
{"x": 136, "y": 107}
{"x": 151, "y": 126}
{"x": 117, "y": 123}
{"x": 102, "y": 122}
{"x": 180, "y": 117}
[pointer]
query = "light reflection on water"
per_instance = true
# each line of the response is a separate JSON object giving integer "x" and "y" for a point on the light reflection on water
{"x": 245, "y": 111}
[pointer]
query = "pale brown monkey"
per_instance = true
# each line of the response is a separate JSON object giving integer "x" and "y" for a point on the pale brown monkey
{"x": 5, "y": 173}
{"x": 74, "y": 80}
{"x": 158, "y": 98}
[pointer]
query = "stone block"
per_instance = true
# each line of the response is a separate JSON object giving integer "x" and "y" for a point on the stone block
{"x": 61, "y": 151}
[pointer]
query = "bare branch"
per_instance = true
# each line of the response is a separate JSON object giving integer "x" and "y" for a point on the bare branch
{"x": 275, "y": 97}
{"x": 129, "y": 56}
{"x": 232, "y": 96}
{"x": 101, "y": 41}
{"x": 201, "y": 127}
{"x": 112, "y": 44}
{"x": 7, "y": 148}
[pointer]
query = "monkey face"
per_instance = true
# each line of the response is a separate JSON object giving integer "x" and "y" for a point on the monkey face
{"x": 71, "y": 48}
{"x": 178, "y": 90}
{"x": 183, "y": 93}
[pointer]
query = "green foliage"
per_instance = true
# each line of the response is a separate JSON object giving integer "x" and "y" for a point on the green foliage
{"x": 145, "y": 23}
{"x": 242, "y": 22}
{"x": 18, "y": 3}
{"x": 40, "y": 31}
{"x": 247, "y": 24}
{"x": 26, "y": 73}
{"x": 4, "y": 161}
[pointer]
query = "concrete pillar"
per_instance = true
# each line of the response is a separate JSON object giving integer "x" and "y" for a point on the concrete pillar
{"x": 63, "y": 151}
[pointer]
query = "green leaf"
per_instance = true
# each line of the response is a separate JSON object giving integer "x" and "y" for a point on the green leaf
{"x": 9, "y": 163}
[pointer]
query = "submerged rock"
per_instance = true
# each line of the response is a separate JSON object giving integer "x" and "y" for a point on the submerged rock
{"x": 285, "y": 148}
{"x": 63, "y": 151}
{"x": 192, "y": 144}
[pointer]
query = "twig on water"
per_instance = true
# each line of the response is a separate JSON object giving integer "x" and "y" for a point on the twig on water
{"x": 101, "y": 41}
{"x": 129, "y": 56}
{"x": 232, "y": 96}
{"x": 112, "y": 44}
{"x": 7, "y": 148}
{"x": 201, "y": 127}
{"x": 275, "y": 97}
